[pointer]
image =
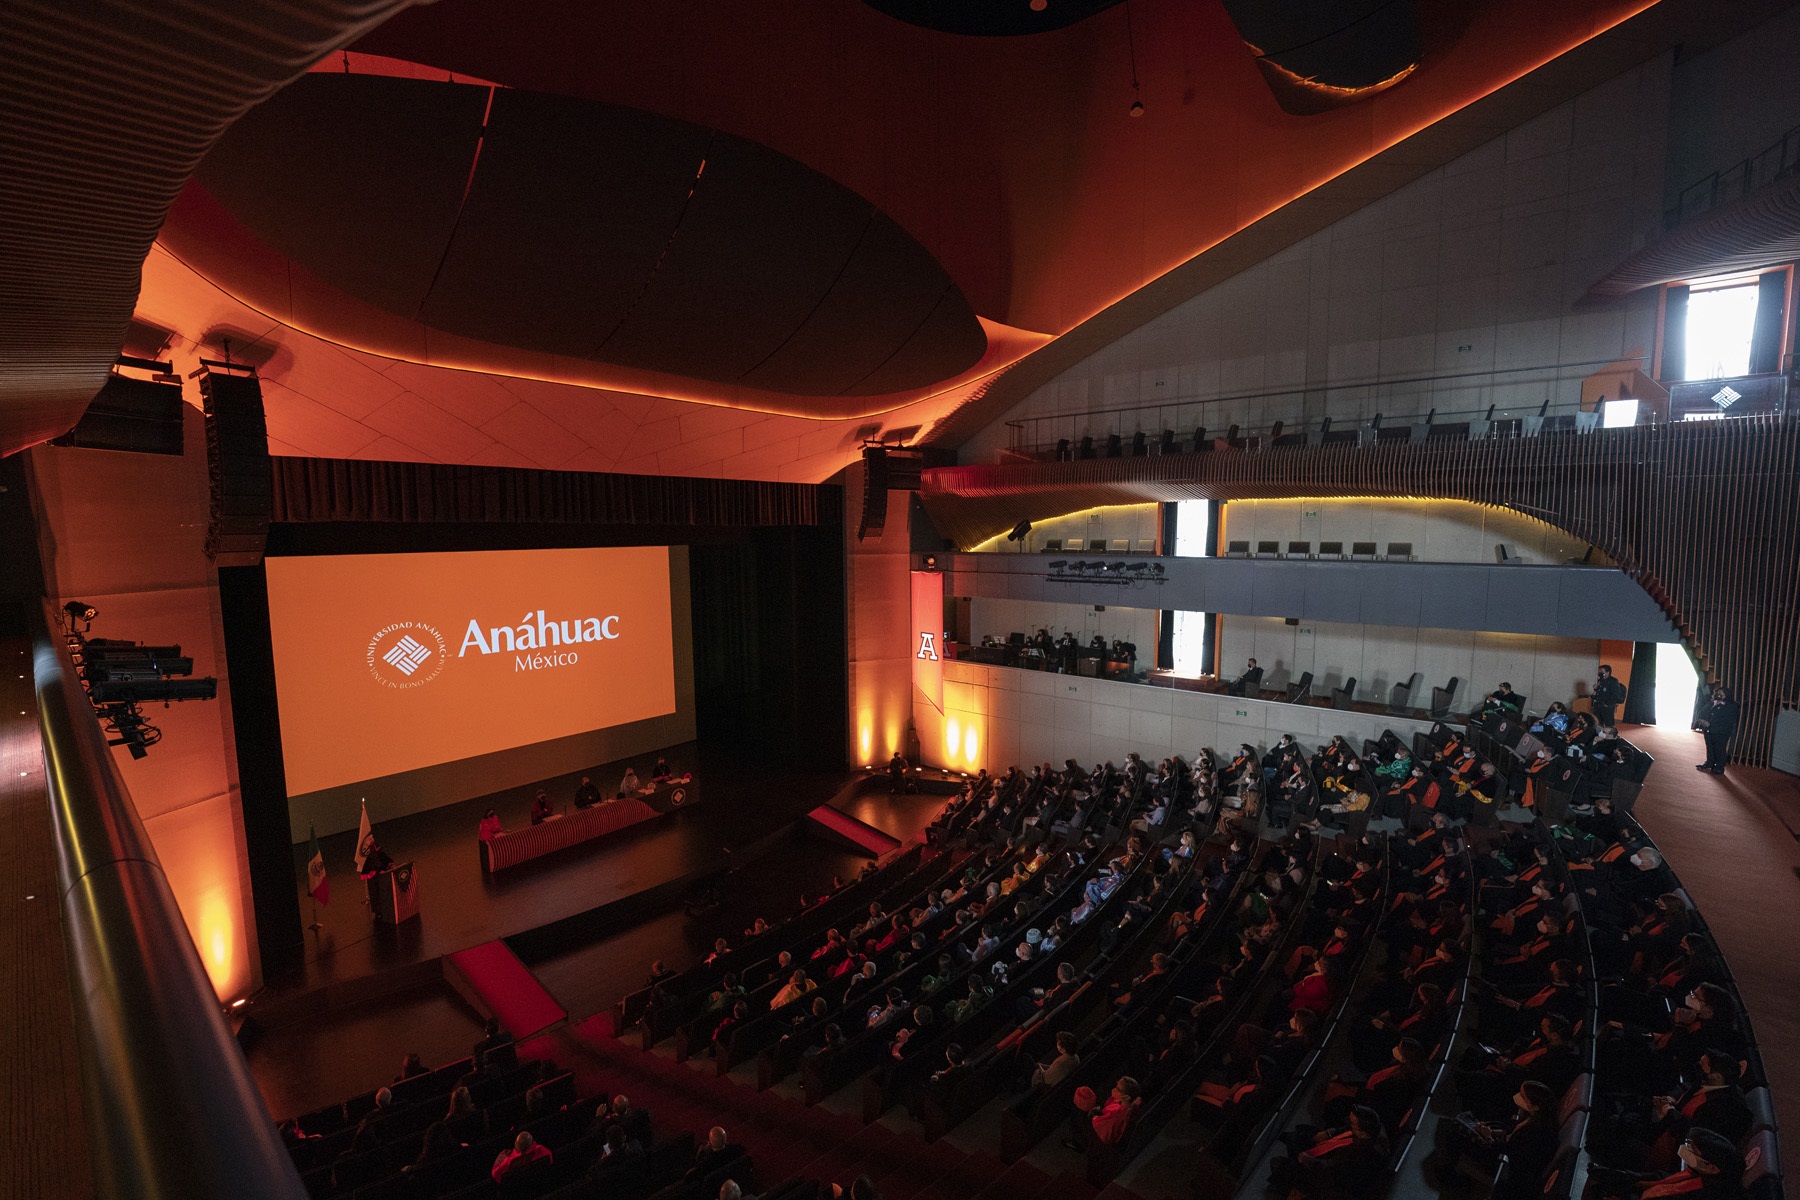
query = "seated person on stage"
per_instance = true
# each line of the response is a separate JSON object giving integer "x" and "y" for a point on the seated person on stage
{"x": 586, "y": 794}
{"x": 1247, "y": 684}
{"x": 663, "y": 772}
{"x": 629, "y": 785}
{"x": 490, "y": 825}
{"x": 540, "y": 808}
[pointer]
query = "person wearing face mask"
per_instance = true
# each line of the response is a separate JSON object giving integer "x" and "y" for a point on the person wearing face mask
{"x": 1644, "y": 1134}
{"x": 1710, "y": 1169}
{"x": 1527, "y": 1141}
{"x": 1486, "y": 1077}
{"x": 1717, "y": 721}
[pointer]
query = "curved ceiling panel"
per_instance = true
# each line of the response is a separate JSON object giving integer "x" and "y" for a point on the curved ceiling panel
{"x": 594, "y": 231}
{"x": 1016, "y": 18}
{"x": 1321, "y": 56}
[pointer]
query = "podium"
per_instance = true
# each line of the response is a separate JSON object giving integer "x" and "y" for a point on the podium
{"x": 394, "y": 894}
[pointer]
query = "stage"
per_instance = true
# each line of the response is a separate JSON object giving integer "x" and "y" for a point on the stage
{"x": 566, "y": 901}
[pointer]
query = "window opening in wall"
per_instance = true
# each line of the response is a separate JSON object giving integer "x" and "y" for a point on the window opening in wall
{"x": 1193, "y": 539}
{"x": 1677, "y": 686}
{"x": 1619, "y": 414}
{"x": 1721, "y": 321}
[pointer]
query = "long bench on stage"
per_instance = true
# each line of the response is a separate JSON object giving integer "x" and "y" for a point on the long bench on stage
{"x": 514, "y": 846}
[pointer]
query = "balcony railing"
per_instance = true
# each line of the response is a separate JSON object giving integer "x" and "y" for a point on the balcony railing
{"x": 1182, "y": 427}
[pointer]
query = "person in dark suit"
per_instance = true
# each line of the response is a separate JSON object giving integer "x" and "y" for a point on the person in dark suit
{"x": 717, "y": 1151}
{"x": 586, "y": 794}
{"x": 1718, "y": 721}
{"x": 1249, "y": 683}
{"x": 1528, "y": 1142}
{"x": 1608, "y": 695}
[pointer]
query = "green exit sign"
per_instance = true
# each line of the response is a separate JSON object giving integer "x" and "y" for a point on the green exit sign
{"x": 1464, "y": 349}
{"x": 1243, "y": 712}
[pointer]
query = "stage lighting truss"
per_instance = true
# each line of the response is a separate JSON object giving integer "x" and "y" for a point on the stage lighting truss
{"x": 1118, "y": 573}
{"x": 118, "y": 676}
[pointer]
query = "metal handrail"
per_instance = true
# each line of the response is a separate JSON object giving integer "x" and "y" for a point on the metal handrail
{"x": 1771, "y": 164}
{"x": 172, "y": 1110}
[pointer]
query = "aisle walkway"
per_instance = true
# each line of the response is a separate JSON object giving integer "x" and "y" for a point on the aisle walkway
{"x": 1732, "y": 840}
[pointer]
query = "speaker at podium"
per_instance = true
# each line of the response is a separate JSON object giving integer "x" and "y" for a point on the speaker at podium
{"x": 394, "y": 894}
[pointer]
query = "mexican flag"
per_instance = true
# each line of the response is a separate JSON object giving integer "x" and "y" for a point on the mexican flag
{"x": 316, "y": 882}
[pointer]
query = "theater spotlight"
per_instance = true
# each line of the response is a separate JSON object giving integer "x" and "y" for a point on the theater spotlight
{"x": 931, "y": 562}
{"x": 1156, "y": 569}
{"x": 1137, "y": 566}
{"x": 1059, "y": 564}
{"x": 81, "y": 610}
{"x": 1019, "y": 531}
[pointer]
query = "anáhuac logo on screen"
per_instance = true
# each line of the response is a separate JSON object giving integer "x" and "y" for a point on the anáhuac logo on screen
{"x": 406, "y": 655}
{"x": 410, "y": 654}
{"x": 537, "y": 644}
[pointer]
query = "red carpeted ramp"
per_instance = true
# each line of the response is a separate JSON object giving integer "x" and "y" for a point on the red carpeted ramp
{"x": 496, "y": 984}
{"x": 848, "y": 833}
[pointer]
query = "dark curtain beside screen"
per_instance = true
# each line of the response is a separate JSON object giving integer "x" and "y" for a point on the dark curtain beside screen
{"x": 769, "y": 645}
{"x": 1674, "y": 334}
{"x": 1771, "y": 315}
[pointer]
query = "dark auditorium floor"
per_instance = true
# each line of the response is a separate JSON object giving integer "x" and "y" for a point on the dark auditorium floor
{"x": 1732, "y": 840}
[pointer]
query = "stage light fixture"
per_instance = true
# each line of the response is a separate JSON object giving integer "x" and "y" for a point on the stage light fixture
{"x": 81, "y": 610}
{"x": 1019, "y": 531}
{"x": 1137, "y": 566}
{"x": 1059, "y": 564}
{"x": 931, "y": 562}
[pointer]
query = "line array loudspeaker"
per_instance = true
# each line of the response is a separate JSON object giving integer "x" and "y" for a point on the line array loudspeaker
{"x": 237, "y": 463}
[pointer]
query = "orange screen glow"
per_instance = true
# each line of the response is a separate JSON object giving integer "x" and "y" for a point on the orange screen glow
{"x": 389, "y": 662}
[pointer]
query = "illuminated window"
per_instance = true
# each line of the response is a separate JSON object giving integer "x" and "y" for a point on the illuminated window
{"x": 1720, "y": 322}
{"x": 1193, "y": 539}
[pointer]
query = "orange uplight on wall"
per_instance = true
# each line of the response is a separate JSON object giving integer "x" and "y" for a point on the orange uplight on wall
{"x": 952, "y": 742}
{"x": 198, "y": 848}
{"x": 928, "y": 633}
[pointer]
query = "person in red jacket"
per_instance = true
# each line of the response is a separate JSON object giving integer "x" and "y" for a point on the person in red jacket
{"x": 1110, "y": 1121}
{"x": 525, "y": 1151}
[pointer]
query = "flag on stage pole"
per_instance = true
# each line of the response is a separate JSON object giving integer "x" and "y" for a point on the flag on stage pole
{"x": 316, "y": 883}
{"x": 365, "y": 839}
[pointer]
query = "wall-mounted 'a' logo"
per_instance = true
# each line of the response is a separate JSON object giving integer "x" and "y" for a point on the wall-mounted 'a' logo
{"x": 928, "y": 646}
